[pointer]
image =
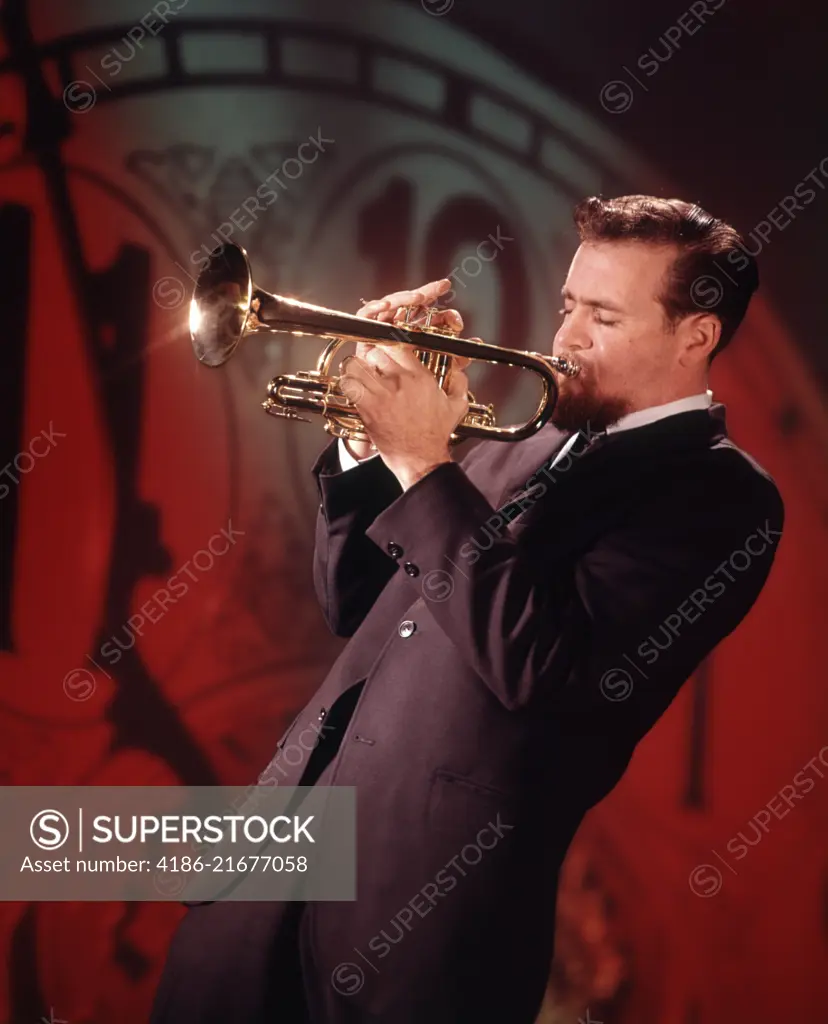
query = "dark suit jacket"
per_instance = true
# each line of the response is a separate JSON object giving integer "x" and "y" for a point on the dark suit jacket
{"x": 510, "y": 668}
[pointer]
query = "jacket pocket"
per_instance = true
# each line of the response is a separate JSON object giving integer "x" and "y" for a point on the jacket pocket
{"x": 470, "y": 843}
{"x": 465, "y": 784}
{"x": 458, "y": 806}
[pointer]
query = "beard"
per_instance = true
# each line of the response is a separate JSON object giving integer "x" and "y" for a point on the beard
{"x": 582, "y": 406}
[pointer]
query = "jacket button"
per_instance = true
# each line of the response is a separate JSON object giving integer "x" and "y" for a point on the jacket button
{"x": 394, "y": 550}
{"x": 411, "y": 569}
{"x": 322, "y": 713}
{"x": 407, "y": 628}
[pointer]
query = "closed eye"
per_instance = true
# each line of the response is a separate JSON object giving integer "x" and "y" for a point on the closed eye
{"x": 598, "y": 318}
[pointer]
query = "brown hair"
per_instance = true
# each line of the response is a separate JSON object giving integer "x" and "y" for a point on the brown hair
{"x": 697, "y": 280}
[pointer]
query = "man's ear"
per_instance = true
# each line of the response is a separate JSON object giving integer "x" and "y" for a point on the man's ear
{"x": 700, "y": 334}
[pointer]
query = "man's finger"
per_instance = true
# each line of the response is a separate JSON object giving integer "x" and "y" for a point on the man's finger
{"x": 448, "y": 320}
{"x": 394, "y": 359}
{"x": 380, "y": 360}
{"x": 370, "y": 309}
{"x": 457, "y": 387}
{"x": 361, "y": 375}
{"x": 363, "y": 348}
{"x": 434, "y": 289}
{"x": 409, "y": 297}
{"x": 425, "y": 296}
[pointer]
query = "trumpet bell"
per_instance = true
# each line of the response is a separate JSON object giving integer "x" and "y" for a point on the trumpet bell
{"x": 220, "y": 305}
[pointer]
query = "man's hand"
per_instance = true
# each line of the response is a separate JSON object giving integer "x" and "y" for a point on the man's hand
{"x": 407, "y": 415}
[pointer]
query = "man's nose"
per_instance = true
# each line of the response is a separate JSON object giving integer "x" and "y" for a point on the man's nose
{"x": 572, "y": 334}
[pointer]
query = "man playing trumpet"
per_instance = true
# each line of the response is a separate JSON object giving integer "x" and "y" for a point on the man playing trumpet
{"x": 519, "y": 617}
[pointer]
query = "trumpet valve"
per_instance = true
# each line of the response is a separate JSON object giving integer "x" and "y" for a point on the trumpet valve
{"x": 274, "y": 409}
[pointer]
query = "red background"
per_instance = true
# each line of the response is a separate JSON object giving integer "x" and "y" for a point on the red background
{"x": 153, "y": 455}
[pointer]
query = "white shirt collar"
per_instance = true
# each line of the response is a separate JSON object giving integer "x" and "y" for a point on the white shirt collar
{"x": 641, "y": 417}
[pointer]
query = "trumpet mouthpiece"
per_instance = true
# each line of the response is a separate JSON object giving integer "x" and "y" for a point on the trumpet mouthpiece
{"x": 564, "y": 366}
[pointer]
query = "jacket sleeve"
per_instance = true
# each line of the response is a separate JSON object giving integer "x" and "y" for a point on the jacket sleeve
{"x": 632, "y": 614}
{"x": 349, "y": 571}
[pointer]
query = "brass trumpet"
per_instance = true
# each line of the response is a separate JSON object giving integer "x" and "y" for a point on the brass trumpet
{"x": 227, "y": 306}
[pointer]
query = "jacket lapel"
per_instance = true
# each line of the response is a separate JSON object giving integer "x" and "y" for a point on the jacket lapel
{"x": 501, "y": 468}
{"x": 603, "y": 470}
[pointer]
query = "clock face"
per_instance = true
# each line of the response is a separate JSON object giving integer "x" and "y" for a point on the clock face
{"x": 350, "y": 155}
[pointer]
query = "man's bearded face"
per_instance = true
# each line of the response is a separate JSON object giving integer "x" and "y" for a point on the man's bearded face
{"x": 614, "y": 327}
